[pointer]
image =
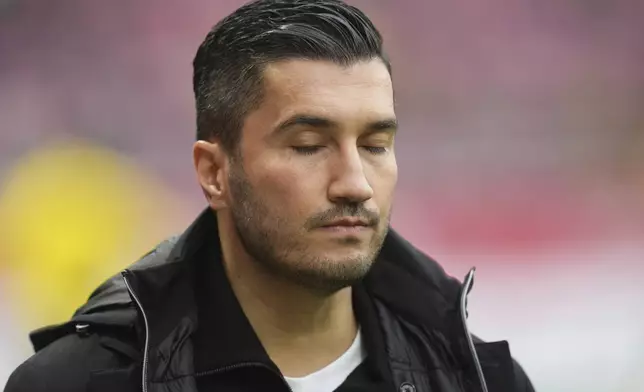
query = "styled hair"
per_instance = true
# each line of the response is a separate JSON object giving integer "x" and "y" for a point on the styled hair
{"x": 229, "y": 63}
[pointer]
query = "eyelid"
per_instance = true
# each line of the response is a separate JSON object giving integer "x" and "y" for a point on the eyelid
{"x": 306, "y": 137}
{"x": 377, "y": 143}
{"x": 380, "y": 137}
{"x": 307, "y": 150}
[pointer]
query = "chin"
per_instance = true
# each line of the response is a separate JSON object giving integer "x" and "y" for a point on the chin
{"x": 327, "y": 271}
{"x": 346, "y": 256}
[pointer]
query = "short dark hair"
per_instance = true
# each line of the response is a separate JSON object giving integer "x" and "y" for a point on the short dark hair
{"x": 228, "y": 66}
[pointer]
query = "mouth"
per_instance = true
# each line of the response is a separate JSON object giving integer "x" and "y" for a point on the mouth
{"x": 348, "y": 222}
{"x": 347, "y": 225}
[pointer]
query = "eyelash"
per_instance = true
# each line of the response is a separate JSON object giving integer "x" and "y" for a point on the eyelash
{"x": 376, "y": 150}
{"x": 307, "y": 150}
{"x": 310, "y": 150}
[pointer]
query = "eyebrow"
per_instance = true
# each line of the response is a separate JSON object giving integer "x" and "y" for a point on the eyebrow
{"x": 389, "y": 124}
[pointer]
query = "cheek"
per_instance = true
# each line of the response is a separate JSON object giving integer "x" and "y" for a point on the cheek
{"x": 383, "y": 181}
{"x": 290, "y": 189}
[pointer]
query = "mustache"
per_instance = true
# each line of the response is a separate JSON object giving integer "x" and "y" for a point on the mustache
{"x": 343, "y": 211}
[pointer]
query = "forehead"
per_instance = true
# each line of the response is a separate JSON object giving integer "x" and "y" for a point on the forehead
{"x": 363, "y": 89}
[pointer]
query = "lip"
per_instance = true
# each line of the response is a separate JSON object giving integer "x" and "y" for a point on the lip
{"x": 347, "y": 223}
{"x": 355, "y": 230}
{"x": 347, "y": 226}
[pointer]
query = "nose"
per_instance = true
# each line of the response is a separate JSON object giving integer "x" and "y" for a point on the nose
{"x": 349, "y": 183}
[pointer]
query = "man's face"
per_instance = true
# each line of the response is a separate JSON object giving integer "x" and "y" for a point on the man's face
{"x": 311, "y": 192}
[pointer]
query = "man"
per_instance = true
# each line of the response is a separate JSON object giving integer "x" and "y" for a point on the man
{"x": 291, "y": 279}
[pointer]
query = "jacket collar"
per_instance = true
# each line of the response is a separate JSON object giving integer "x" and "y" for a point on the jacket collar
{"x": 186, "y": 289}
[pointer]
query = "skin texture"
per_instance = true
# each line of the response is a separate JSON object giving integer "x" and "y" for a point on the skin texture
{"x": 318, "y": 148}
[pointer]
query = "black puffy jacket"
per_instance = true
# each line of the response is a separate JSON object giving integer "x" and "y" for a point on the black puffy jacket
{"x": 137, "y": 331}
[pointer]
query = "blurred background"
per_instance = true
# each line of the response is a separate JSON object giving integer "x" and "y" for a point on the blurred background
{"x": 521, "y": 152}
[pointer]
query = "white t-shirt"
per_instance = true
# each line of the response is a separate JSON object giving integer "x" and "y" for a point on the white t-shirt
{"x": 333, "y": 375}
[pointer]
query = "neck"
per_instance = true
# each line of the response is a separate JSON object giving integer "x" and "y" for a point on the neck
{"x": 301, "y": 330}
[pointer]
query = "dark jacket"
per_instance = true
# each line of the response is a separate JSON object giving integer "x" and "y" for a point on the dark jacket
{"x": 138, "y": 331}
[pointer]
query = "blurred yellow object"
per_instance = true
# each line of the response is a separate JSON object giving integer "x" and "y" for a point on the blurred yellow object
{"x": 73, "y": 214}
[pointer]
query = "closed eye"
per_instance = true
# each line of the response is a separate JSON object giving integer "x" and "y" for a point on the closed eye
{"x": 306, "y": 150}
{"x": 375, "y": 150}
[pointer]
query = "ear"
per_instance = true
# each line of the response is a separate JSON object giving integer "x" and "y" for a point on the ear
{"x": 211, "y": 166}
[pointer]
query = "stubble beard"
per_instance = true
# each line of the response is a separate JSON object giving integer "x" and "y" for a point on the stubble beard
{"x": 282, "y": 251}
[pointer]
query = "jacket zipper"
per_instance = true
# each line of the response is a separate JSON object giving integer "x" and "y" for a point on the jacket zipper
{"x": 147, "y": 330}
{"x": 245, "y": 365}
{"x": 467, "y": 287}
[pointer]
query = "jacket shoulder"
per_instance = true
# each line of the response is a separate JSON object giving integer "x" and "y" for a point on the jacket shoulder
{"x": 498, "y": 362}
{"x": 72, "y": 362}
{"x": 521, "y": 379}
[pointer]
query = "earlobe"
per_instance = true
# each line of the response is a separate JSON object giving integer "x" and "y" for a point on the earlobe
{"x": 209, "y": 161}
